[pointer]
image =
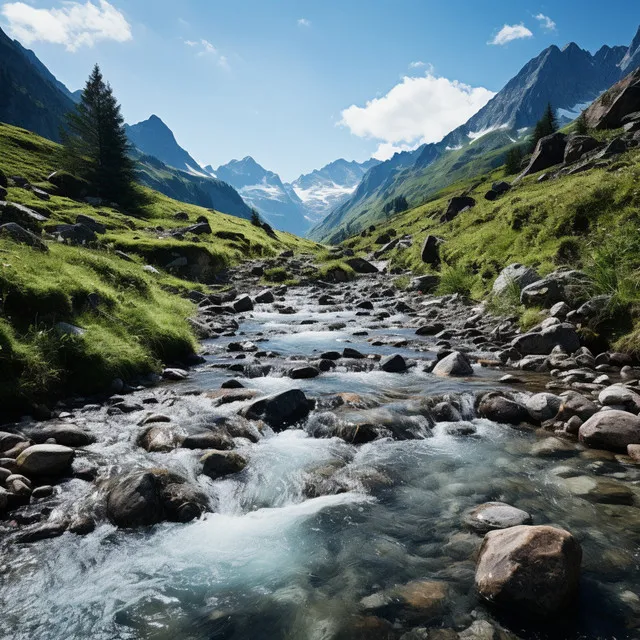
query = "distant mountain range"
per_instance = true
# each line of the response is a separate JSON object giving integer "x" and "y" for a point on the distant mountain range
{"x": 568, "y": 78}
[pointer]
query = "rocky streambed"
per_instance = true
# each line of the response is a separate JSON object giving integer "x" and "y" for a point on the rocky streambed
{"x": 348, "y": 461}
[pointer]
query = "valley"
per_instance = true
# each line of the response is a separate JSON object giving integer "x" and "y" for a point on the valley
{"x": 386, "y": 400}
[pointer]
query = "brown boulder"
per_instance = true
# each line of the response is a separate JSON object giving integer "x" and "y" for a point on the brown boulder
{"x": 612, "y": 429}
{"x": 529, "y": 569}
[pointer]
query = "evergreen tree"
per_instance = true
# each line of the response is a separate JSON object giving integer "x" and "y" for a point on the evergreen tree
{"x": 95, "y": 143}
{"x": 547, "y": 125}
{"x": 582, "y": 128}
{"x": 513, "y": 160}
{"x": 255, "y": 218}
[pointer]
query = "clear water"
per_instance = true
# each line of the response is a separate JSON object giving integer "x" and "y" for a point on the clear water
{"x": 272, "y": 562}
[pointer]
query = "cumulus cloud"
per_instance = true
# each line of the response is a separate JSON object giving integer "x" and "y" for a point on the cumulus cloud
{"x": 417, "y": 110}
{"x": 205, "y": 49}
{"x": 303, "y": 22}
{"x": 74, "y": 25}
{"x": 546, "y": 22}
{"x": 511, "y": 32}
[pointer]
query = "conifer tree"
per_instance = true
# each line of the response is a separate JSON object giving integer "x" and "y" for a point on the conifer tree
{"x": 582, "y": 128}
{"x": 547, "y": 125}
{"x": 513, "y": 159}
{"x": 95, "y": 143}
{"x": 255, "y": 218}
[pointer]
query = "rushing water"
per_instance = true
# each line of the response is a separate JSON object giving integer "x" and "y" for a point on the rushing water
{"x": 272, "y": 562}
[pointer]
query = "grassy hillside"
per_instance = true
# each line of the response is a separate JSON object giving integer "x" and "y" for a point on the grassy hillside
{"x": 589, "y": 220}
{"x": 133, "y": 319}
{"x": 419, "y": 184}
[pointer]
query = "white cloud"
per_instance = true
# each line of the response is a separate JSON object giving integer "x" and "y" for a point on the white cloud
{"x": 417, "y": 110}
{"x": 546, "y": 22}
{"x": 303, "y": 22}
{"x": 74, "y": 25}
{"x": 511, "y": 32}
{"x": 205, "y": 49}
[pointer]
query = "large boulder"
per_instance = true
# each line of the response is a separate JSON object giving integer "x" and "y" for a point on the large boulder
{"x": 543, "y": 342}
{"x": 24, "y": 216}
{"x": 559, "y": 286}
{"x": 76, "y": 234}
{"x": 456, "y": 206}
{"x": 147, "y": 497}
{"x": 430, "y": 252}
{"x": 280, "y": 410}
{"x": 617, "y": 395}
{"x": 69, "y": 185}
{"x": 243, "y": 304}
{"x": 497, "y": 408}
{"x": 548, "y": 152}
{"x": 45, "y": 460}
{"x": 425, "y": 284}
{"x": 610, "y": 109}
{"x": 360, "y": 265}
{"x": 577, "y": 146}
{"x": 22, "y": 236}
{"x": 543, "y": 406}
{"x": 92, "y": 223}
{"x": 455, "y": 364}
{"x": 217, "y": 464}
{"x": 515, "y": 274}
{"x": 533, "y": 570}
{"x": 612, "y": 429}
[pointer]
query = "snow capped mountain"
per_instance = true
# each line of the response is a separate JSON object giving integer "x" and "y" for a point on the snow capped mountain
{"x": 324, "y": 189}
{"x": 265, "y": 191}
{"x": 153, "y": 137}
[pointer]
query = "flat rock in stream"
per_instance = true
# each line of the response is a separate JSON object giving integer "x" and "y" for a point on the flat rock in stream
{"x": 45, "y": 460}
{"x": 491, "y": 516}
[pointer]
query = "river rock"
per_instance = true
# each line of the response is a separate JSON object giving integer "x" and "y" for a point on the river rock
{"x": 159, "y": 438}
{"x": 612, "y": 430}
{"x": 514, "y": 274}
{"x": 265, "y": 297}
{"x": 618, "y": 395}
{"x": 455, "y": 364}
{"x": 303, "y": 372}
{"x": 243, "y": 304}
{"x": 68, "y": 435}
{"x": 543, "y": 406}
{"x": 360, "y": 265}
{"x": 218, "y": 439}
{"x": 279, "y": 410}
{"x": 393, "y": 364}
{"x": 217, "y": 464}
{"x": 543, "y": 342}
{"x": 599, "y": 490}
{"x": 45, "y": 460}
{"x": 529, "y": 569}
{"x": 495, "y": 515}
{"x": 575, "y": 404}
{"x": 147, "y": 497}
{"x": 502, "y": 410}
{"x": 426, "y": 599}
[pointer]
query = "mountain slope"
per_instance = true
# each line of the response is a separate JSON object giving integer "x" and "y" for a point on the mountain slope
{"x": 30, "y": 97}
{"x": 568, "y": 78}
{"x": 154, "y": 138}
{"x": 265, "y": 191}
{"x": 324, "y": 189}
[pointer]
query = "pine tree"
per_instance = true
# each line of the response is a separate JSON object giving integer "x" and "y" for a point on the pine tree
{"x": 582, "y": 128}
{"x": 513, "y": 160}
{"x": 547, "y": 125}
{"x": 255, "y": 218}
{"x": 95, "y": 143}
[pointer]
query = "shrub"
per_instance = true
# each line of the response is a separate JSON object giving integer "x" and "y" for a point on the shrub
{"x": 455, "y": 279}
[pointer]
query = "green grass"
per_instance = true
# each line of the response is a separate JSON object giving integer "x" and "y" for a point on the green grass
{"x": 574, "y": 221}
{"x": 455, "y": 279}
{"x": 141, "y": 319}
{"x": 330, "y": 268}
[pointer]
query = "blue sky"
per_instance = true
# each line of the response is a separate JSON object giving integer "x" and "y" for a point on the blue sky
{"x": 273, "y": 79}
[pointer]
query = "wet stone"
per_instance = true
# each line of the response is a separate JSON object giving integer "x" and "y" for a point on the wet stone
{"x": 495, "y": 515}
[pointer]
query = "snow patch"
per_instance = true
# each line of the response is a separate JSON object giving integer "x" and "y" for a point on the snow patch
{"x": 476, "y": 135}
{"x": 573, "y": 112}
{"x": 454, "y": 148}
{"x": 195, "y": 172}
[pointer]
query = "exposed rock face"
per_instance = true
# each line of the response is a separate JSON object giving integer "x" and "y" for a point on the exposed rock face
{"x": 455, "y": 364}
{"x": 430, "y": 253}
{"x": 280, "y": 410}
{"x": 577, "y": 146}
{"x": 514, "y": 274}
{"x": 144, "y": 498}
{"x": 456, "y": 206}
{"x": 613, "y": 430}
{"x": 45, "y": 460}
{"x": 529, "y": 569}
{"x": 24, "y": 216}
{"x": 609, "y": 110}
{"x": 491, "y": 516}
{"x": 548, "y": 152}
